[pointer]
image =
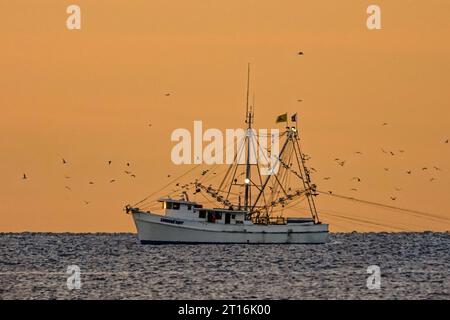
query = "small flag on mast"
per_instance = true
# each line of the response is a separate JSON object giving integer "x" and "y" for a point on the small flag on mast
{"x": 282, "y": 118}
{"x": 294, "y": 117}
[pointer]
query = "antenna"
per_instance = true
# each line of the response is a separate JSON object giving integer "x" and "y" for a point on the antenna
{"x": 247, "y": 114}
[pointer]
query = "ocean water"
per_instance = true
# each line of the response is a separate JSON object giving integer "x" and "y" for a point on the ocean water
{"x": 117, "y": 266}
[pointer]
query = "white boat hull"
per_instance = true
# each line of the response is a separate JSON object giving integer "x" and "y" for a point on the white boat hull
{"x": 157, "y": 229}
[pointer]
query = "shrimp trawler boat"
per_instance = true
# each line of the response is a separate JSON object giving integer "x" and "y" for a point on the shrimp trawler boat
{"x": 246, "y": 205}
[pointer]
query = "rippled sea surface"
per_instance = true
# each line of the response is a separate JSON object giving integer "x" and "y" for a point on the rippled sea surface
{"x": 116, "y": 266}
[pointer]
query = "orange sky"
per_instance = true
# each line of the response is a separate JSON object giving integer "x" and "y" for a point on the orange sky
{"x": 89, "y": 95}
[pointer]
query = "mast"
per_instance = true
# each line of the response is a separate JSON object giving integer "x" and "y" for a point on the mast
{"x": 248, "y": 120}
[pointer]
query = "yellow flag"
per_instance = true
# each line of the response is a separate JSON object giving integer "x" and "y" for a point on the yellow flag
{"x": 282, "y": 118}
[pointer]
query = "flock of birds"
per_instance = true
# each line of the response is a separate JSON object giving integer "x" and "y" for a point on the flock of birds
{"x": 342, "y": 162}
{"x": 339, "y": 162}
{"x": 109, "y": 162}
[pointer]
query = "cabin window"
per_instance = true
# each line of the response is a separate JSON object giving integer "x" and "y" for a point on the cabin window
{"x": 219, "y": 215}
{"x": 175, "y": 206}
{"x": 211, "y": 217}
{"x": 233, "y": 216}
{"x": 202, "y": 214}
{"x": 239, "y": 222}
{"x": 189, "y": 207}
{"x": 168, "y": 205}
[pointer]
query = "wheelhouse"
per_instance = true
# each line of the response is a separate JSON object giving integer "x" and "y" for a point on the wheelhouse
{"x": 188, "y": 210}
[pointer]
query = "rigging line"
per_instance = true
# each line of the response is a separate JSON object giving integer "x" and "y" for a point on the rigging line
{"x": 287, "y": 176}
{"x": 336, "y": 214}
{"x": 365, "y": 221}
{"x": 342, "y": 226}
{"x": 217, "y": 175}
{"x": 179, "y": 177}
{"x": 221, "y": 152}
{"x": 275, "y": 193}
{"x": 353, "y": 222}
{"x": 283, "y": 179}
{"x": 268, "y": 178}
{"x": 167, "y": 185}
{"x": 236, "y": 166}
{"x": 232, "y": 180}
{"x": 207, "y": 199}
{"x": 232, "y": 193}
{"x": 292, "y": 205}
{"x": 417, "y": 216}
{"x": 427, "y": 214}
{"x": 307, "y": 183}
{"x": 150, "y": 208}
{"x": 284, "y": 176}
{"x": 375, "y": 221}
{"x": 224, "y": 149}
{"x": 240, "y": 145}
{"x": 169, "y": 195}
